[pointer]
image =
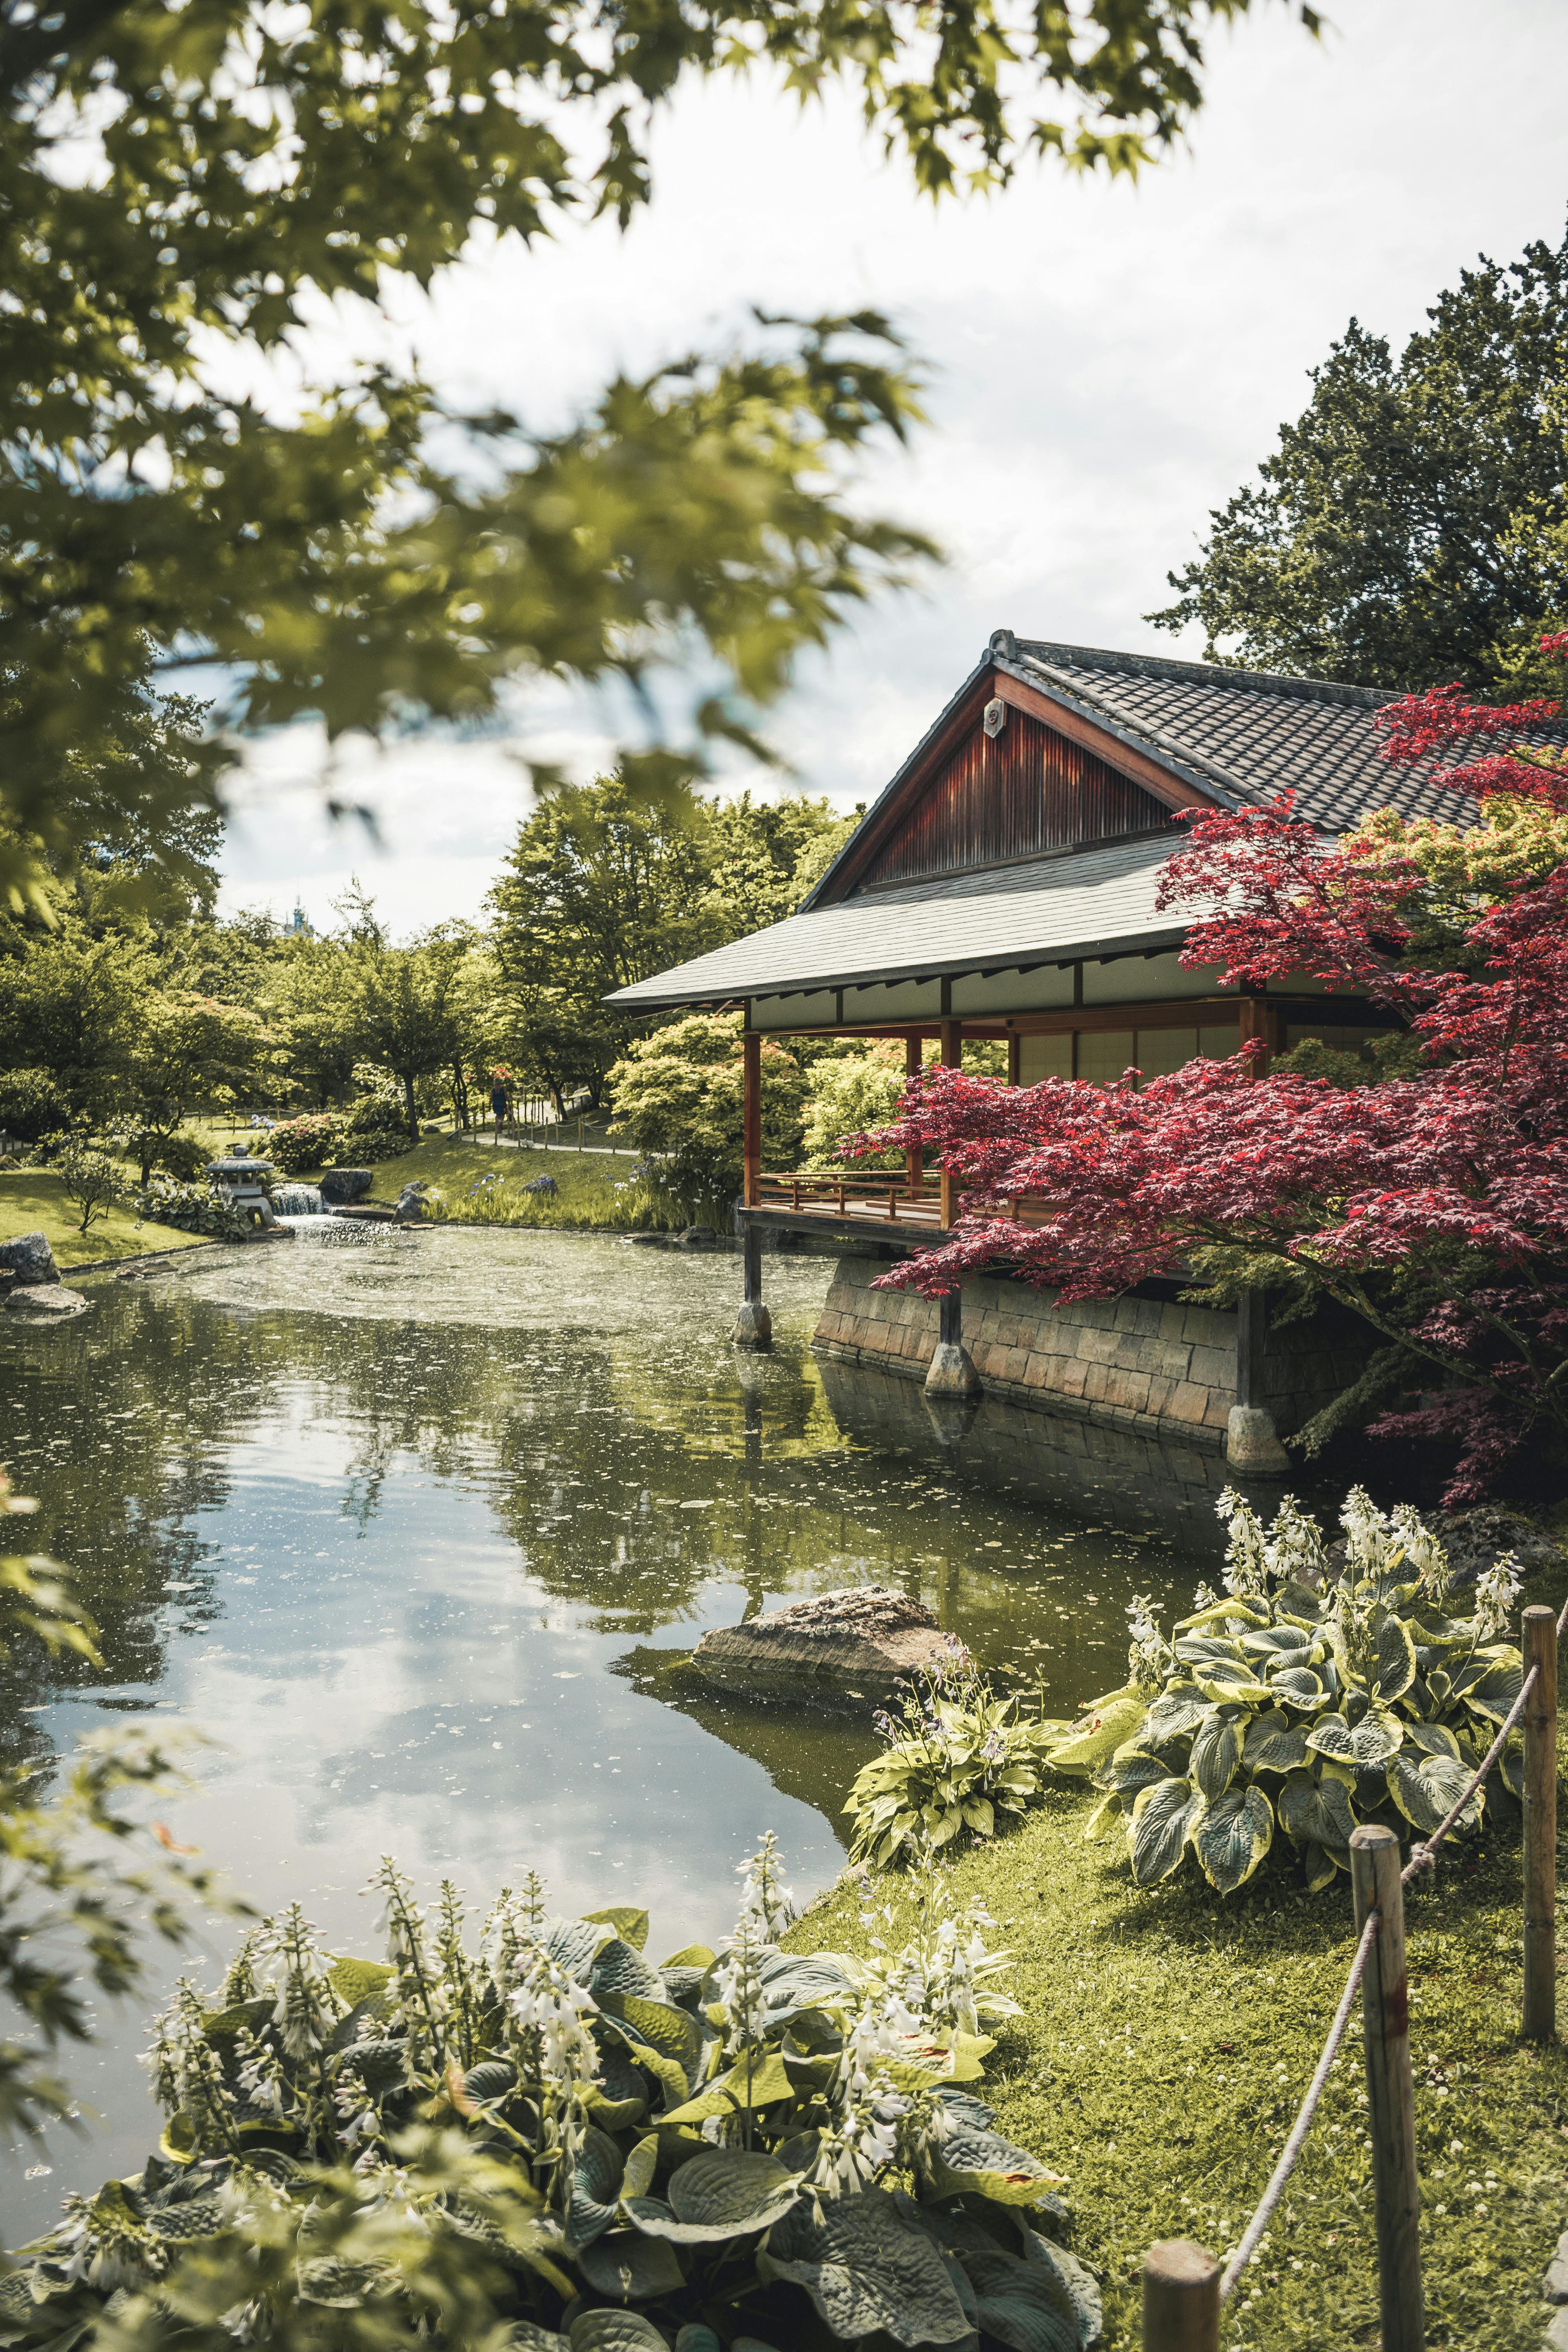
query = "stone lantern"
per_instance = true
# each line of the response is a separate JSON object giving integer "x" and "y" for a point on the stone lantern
{"x": 242, "y": 1183}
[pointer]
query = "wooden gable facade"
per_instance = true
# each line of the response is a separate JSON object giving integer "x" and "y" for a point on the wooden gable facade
{"x": 1003, "y": 782}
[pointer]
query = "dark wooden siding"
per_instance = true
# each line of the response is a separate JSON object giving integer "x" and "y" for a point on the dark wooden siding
{"x": 1010, "y": 796}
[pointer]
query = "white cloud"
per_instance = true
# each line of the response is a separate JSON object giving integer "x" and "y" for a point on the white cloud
{"x": 1108, "y": 364}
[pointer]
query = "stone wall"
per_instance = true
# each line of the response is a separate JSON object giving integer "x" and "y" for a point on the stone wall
{"x": 1145, "y": 1364}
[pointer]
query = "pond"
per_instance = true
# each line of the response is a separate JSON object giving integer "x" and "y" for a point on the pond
{"x": 409, "y": 1526}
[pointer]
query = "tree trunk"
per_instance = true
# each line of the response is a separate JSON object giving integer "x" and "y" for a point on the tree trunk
{"x": 413, "y": 1114}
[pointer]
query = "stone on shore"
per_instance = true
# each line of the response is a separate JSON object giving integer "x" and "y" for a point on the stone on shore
{"x": 29, "y": 1258}
{"x": 844, "y": 1650}
{"x": 342, "y": 1185}
{"x": 44, "y": 1298}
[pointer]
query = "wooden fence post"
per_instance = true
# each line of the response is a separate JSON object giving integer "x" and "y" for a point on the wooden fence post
{"x": 1181, "y": 2298}
{"x": 1540, "y": 1827}
{"x": 1385, "y": 2019}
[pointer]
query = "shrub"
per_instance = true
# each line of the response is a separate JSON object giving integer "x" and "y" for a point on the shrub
{"x": 1312, "y": 1695}
{"x": 957, "y": 1757}
{"x": 549, "y": 2125}
{"x": 183, "y": 1157}
{"x": 846, "y": 1095}
{"x": 190, "y": 1208}
{"x": 32, "y": 1105}
{"x": 298, "y": 1145}
{"x": 90, "y": 1177}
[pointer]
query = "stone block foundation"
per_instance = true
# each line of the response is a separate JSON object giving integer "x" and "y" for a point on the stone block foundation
{"x": 1147, "y": 1365}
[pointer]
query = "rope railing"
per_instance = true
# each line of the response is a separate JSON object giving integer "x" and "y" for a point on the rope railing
{"x": 1184, "y": 2288}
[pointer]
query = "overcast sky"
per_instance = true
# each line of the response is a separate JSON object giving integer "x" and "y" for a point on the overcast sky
{"x": 1107, "y": 363}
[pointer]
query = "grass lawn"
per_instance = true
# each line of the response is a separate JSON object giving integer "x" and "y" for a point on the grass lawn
{"x": 31, "y": 1200}
{"x": 1166, "y": 2040}
{"x": 481, "y": 1184}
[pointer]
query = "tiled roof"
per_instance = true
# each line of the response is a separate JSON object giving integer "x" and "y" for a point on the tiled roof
{"x": 1091, "y": 902}
{"x": 1242, "y": 734}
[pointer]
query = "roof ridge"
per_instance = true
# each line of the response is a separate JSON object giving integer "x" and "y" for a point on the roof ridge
{"x": 1251, "y": 681}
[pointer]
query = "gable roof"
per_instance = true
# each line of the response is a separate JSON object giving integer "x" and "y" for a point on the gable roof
{"x": 1193, "y": 733}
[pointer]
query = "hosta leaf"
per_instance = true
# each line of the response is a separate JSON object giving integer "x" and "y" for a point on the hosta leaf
{"x": 1298, "y": 1604}
{"x": 693, "y": 1956}
{"x": 1232, "y": 1837}
{"x": 1179, "y": 1708}
{"x": 1300, "y": 1687}
{"x": 1098, "y": 1733}
{"x": 522, "y": 2336}
{"x": 794, "y": 1981}
{"x": 1224, "y": 1681}
{"x": 1100, "y": 1820}
{"x": 629, "y": 1924}
{"x": 1274, "y": 1644}
{"x": 1215, "y": 1758}
{"x": 1198, "y": 1649}
{"x": 572, "y": 1944}
{"x": 1494, "y": 1690}
{"x": 1433, "y": 1739}
{"x": 1367, "y": 1745}
{"x": 596, "y": 2188}
{"x": 978, "y": 1816}
{"x": 732, "y": 2188}
{"x": 758, "y": 2085}
{"x": 1315, "y": 1812}
{"x": 621, "y": 1967}
{"x": 362, "y": 1980}
{"x": 1510, "y": 1765}
{"x": 641, "y": 2166}
{"x": 1157, "y": 1833}
{"x": 671, "y": 2033}
{"x": 1319, "y": 1866}
{"x": 1425, "y": 1787}
{"x": 614, "y": 2331}
{"x": 971, "y": 2158}
{"x": 1227, "y": 1608}
{"x": 1395, "y": 1655}
{"x": 1274, "y": 1744}
{"x": 867, "y": 2271}
{"x": 1048, "y": 2302}
{"x": 631, "y": 2267}
{"x": 1125, "y": 1774}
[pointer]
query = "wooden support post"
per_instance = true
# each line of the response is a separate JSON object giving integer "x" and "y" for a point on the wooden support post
{"x": 753, "y": 1324}
{"x": 1259, "y": 1019}
{"x": 1540, "y": 1827}
{"x": 1385, "y": 2022}
{"x": 914, "y": 1162}
{"x": 1181, "y": 2298}
{"x": 1015, "y": 1059}
{"x": 752, "y": 1131}
{"x": 951, "y": 1034}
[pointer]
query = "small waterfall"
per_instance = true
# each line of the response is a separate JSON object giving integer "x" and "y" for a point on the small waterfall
{"x": 298, "y": 1201}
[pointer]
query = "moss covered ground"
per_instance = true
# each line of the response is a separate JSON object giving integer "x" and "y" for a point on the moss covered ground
{"x": 32, "y": 1199}
{"x": 1167, "y": 2038}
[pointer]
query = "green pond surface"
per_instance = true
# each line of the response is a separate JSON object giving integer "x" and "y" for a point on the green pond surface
{"x": 412, "y": 1525}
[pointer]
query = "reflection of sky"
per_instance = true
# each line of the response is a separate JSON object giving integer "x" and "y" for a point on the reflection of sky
{"x": 396, "y": 1559}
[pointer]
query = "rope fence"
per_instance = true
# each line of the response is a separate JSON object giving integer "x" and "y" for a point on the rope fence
{"x": 1184, "y": 2288}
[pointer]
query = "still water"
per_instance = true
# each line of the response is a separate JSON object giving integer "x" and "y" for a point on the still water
{"x": 409, "y": 1526}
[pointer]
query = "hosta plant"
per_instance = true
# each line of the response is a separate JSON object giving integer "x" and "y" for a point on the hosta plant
{"x": 542, "y": 2142}
{"x": 1317, "y": 1692}
{"x": 956, "y": 1756}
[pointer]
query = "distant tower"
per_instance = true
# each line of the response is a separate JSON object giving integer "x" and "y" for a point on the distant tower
{"x": 297, "y": 925}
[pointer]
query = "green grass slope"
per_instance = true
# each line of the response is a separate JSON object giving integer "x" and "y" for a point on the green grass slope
{"x": 31, "y": 1200}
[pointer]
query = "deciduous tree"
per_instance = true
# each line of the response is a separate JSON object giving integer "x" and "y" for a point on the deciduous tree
{"x": 1433, "y": 1204}
{"x": 1413, "y": 523}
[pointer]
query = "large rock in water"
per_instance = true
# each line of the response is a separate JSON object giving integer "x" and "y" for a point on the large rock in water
{"x": 44, "y": 1298}
{"x": 29, "y": 1258}
{"x": 844, "y": 1649}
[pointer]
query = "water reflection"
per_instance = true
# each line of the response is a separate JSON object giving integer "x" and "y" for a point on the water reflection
{"x": 410, "y": 1521}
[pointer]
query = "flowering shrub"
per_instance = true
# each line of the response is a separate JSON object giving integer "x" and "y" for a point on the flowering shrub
{"x": 296, "y": 1146}
{"x": 1308, "y": 1697}
{"x": 956, "y": 1756}
{"x": 544, "y": 2123}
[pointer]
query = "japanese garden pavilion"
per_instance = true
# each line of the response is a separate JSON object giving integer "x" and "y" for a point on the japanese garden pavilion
{"x": 1004, "y": 885}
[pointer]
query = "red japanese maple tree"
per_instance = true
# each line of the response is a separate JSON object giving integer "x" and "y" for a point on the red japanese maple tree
{"x": 1431, "y": 1197}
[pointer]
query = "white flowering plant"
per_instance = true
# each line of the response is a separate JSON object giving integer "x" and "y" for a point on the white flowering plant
{"x": 1309, "y": 1696}
{"x": 537, "y": 2139}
